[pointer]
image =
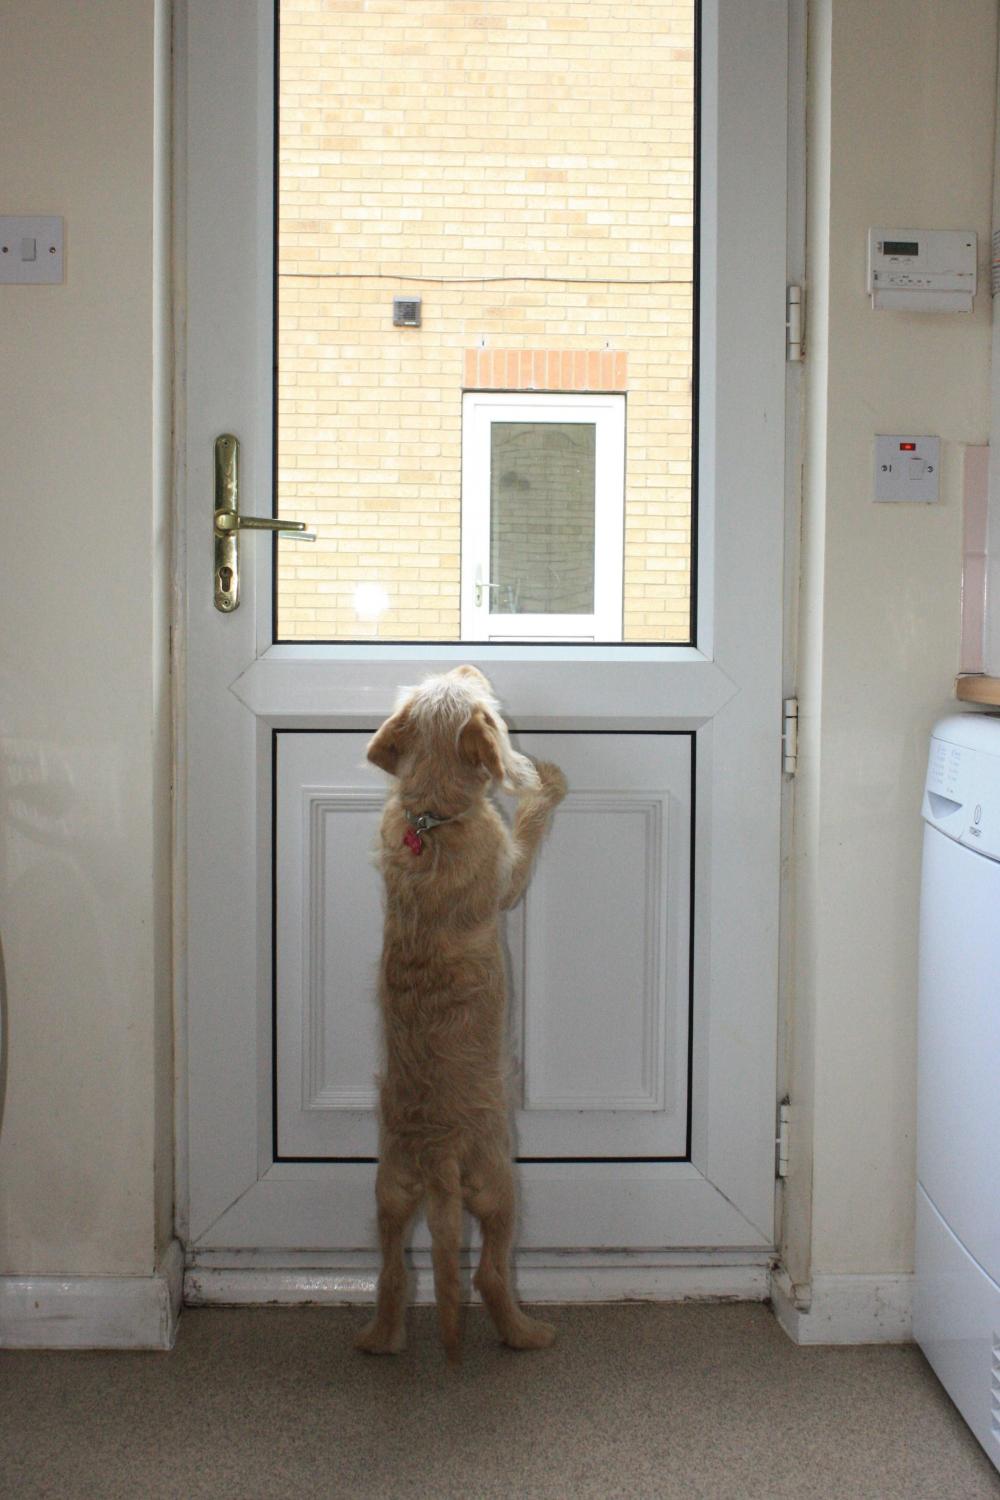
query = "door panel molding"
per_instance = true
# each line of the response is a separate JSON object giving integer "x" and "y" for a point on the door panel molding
{"x": 643, "y": 1084}
{"x": 617, "y": 998}
{"x": 322, "y": 1088}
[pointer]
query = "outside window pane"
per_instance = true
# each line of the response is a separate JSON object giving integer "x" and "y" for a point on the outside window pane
{"x": 525, "y": 174}
{"x": 542, "y": 486}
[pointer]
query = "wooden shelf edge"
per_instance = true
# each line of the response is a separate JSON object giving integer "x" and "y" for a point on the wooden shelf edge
{"x": 976, "y": 687}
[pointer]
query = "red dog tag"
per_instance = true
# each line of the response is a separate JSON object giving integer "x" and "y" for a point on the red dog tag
{"x": 412, "y": 840}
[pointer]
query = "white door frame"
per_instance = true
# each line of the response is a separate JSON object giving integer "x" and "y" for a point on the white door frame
{"x": 480, "y": 409}
{"x": 725, "y": 687}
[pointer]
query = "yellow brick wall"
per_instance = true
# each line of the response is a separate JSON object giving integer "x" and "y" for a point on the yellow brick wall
{"x": 531, "y": 162}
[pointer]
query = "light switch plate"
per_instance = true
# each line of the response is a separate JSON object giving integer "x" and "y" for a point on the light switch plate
{"x": 907, "y": 467}
{"x": 31, "y": 249}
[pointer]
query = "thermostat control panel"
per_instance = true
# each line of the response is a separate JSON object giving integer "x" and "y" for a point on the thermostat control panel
{"x": 922, "y": 270}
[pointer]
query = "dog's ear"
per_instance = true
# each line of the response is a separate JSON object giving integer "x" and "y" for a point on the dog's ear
{"x": 479, "y": 744}
{"x": 472, "y": 674}
{"x": 385, "y": 747}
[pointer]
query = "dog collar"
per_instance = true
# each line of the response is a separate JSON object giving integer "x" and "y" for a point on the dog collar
{"x": 421, "y": 823}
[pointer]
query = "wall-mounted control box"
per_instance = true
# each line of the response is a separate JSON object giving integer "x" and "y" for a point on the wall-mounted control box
{"x": 907, "y": 468}
{"x": 922, "y": 270}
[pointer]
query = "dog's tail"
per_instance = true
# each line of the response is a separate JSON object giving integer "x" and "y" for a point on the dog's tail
{"x": 444, "y": 1219}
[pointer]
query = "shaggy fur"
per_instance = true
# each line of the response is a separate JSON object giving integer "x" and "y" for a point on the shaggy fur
{"x": 444, "y": 1137}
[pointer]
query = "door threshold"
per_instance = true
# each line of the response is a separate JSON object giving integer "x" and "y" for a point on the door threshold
{"x": 245, "y": 1278}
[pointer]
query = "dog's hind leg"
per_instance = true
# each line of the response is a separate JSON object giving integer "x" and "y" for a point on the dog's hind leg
{"x": 444, "y": 1220}
{"x": 397, "y": 1195}
{"x": 492, "y": 1202}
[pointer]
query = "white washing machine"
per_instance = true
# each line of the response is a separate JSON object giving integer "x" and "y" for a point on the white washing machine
{"x": 957, "y": 1308}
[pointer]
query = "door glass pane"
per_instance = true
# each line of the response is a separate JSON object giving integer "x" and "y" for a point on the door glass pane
{"x": 542, "y": 494}
{"x": 477, "y": 196}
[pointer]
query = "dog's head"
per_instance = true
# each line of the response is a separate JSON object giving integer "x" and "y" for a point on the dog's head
{"x": 448, "y": 733}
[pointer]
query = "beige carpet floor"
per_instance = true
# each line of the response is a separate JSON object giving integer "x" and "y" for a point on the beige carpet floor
{"x": 635, "y": 1402}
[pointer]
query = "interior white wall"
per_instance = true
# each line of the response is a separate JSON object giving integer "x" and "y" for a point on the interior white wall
{"x": 991, "y": 628}
{"x": 903, "y": 94}
{"x": 901, "y": 110}
{"x": 85, "y": 1147}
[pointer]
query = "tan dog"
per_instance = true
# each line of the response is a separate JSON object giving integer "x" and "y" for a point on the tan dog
{"x": 450, "y": 865}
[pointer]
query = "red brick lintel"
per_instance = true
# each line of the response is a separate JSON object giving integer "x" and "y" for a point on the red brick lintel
{"x": 545, "y": 370}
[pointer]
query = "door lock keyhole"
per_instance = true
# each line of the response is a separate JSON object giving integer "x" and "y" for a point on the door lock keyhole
{"x": 225, "y": 579}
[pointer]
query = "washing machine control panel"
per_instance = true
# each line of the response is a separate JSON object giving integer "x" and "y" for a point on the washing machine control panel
{"x": 962, "y": 795}
{"x": 947, "y": 770}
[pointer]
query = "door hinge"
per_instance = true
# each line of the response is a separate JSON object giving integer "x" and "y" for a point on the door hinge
{"x": 794, "y": 342}
{"x": 782, "y": 1139}
{"x": 790, "y": 736}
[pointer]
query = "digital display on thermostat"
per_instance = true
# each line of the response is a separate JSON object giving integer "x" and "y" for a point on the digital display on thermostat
{"x": 900, "y": 247}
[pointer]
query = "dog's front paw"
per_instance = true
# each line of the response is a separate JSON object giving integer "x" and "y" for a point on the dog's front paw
{"x": 554, "y": 785}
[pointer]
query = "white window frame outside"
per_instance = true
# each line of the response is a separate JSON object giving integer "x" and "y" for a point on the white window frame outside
{"x": 606, "y": 410}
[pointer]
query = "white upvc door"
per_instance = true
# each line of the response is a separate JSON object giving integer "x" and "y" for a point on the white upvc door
{"x": 644, "y": 964}
{"x": 542, "y": 551}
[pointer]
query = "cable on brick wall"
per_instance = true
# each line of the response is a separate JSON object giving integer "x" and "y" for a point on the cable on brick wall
{"x": 454, "y": 280}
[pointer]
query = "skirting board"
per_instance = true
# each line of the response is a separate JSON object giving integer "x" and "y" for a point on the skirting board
{"x": 552, "y": 1283}
{"x": 141, "y": 1312}
{"x": 93, "y": 1312}
{"x": 845, "y": 1309}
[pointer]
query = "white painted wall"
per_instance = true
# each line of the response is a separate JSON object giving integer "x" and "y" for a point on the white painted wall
{"x": 991, "y": 626}
{"x": 85, "y": 1147}
{"x": 901, "y": 111}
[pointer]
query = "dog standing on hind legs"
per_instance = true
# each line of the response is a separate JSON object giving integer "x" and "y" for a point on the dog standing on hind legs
{"x": 450, "y": 866}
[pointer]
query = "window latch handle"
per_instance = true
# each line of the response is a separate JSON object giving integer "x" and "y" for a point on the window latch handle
{"x": 482, "y": 584}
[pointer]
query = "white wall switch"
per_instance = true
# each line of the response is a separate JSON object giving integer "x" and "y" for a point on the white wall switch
{"x": 907, "y": 467}
{"x": 31, "y": 249}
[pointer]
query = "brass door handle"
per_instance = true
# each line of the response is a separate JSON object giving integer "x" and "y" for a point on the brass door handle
{"x": 227, "y": 523}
